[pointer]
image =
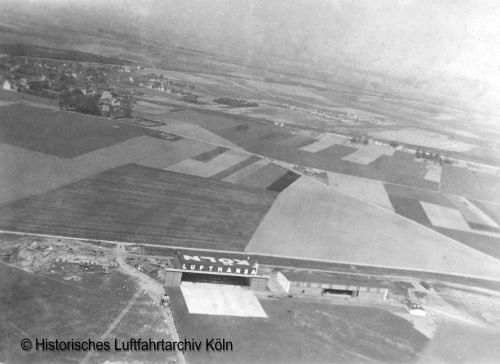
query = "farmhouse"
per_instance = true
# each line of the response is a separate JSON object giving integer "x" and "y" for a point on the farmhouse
{"x": 214, "y": 269}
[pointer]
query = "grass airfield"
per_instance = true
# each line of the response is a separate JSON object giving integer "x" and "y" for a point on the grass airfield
{"x": 55, "y": 307}
{"x": 297, "y": 330}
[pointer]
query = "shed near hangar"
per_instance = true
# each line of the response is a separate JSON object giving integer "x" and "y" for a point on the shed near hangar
{"x": 214, "y": 269}
{"x": 318, "y": 283}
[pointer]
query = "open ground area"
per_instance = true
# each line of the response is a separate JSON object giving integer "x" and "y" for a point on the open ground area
{"x": 145, "y": 205}
{"x": 63, "y": 134}
{"x": 57, "y": 306}
{"x": 299, "y": 331}
{"x": 310, "y": 220}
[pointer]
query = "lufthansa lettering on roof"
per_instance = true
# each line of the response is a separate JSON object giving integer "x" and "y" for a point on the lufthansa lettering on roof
{"x": 217, "y": 265}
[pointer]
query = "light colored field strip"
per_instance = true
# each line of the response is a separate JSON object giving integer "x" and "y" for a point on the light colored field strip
{"x": 192, "y": 167}
{"x": 433, "y": 173}
{"x": 212, "y": 167}
{"x": 324, "y": 141}
{"x": 362, "y": 188}
{"x": 445, "y": 217}
{"x": 368, "y": 153}
{"x": 247, "y": 171}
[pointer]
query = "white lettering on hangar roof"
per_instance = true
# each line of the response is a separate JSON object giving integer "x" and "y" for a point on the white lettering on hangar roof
{"x": 217, "y": 265}
{"x": 224, "y": 261}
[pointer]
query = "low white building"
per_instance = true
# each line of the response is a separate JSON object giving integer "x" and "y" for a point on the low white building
{"x": 7, "y": 85}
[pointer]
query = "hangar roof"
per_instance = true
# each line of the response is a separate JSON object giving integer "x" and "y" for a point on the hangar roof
{"x": 333, "y": 278}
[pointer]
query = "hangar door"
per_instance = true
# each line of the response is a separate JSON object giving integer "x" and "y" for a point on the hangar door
{"x": 215, "y": 279}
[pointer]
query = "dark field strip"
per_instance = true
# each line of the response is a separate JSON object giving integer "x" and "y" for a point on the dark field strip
{"x": 211, "y": 154}
{"x": 60, "y": 133}
{"x": 335, "y": 152}
{"x": 252, "y": 134}
{"x": 236, "y": 167}
{"x": 410, "y": 208}
{"x": 145, "y": 205}
{"x": 141, "y": 121}
{"x": 286, "y": 180}
{"x": 486, "y": 244}
{"x": 297, "y": 141}
{"x": 418, "y": 194}
{"x": 483, "y": 227}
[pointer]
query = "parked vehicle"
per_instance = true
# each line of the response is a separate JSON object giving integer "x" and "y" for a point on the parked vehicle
{"x": 415, "y": 308}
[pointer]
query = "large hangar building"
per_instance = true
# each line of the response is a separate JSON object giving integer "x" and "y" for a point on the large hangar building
{"x": 214, "y": 269}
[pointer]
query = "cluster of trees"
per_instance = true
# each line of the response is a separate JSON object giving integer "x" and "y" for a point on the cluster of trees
{"x": 39, "y": 85}
{"x": 190, "y": 97}
{"x": 127, "y": 104}
{"x": 436, "y": 157}
{"x": 360, "y": 139}
{"x": 76, "y": 100}
{"x": 229, "y": 101}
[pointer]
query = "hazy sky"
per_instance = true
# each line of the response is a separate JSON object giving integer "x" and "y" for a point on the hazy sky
{"x": 402, "y": 37}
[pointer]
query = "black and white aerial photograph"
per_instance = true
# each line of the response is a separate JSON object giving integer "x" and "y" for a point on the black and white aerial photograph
{"x": 250, "y": 181}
